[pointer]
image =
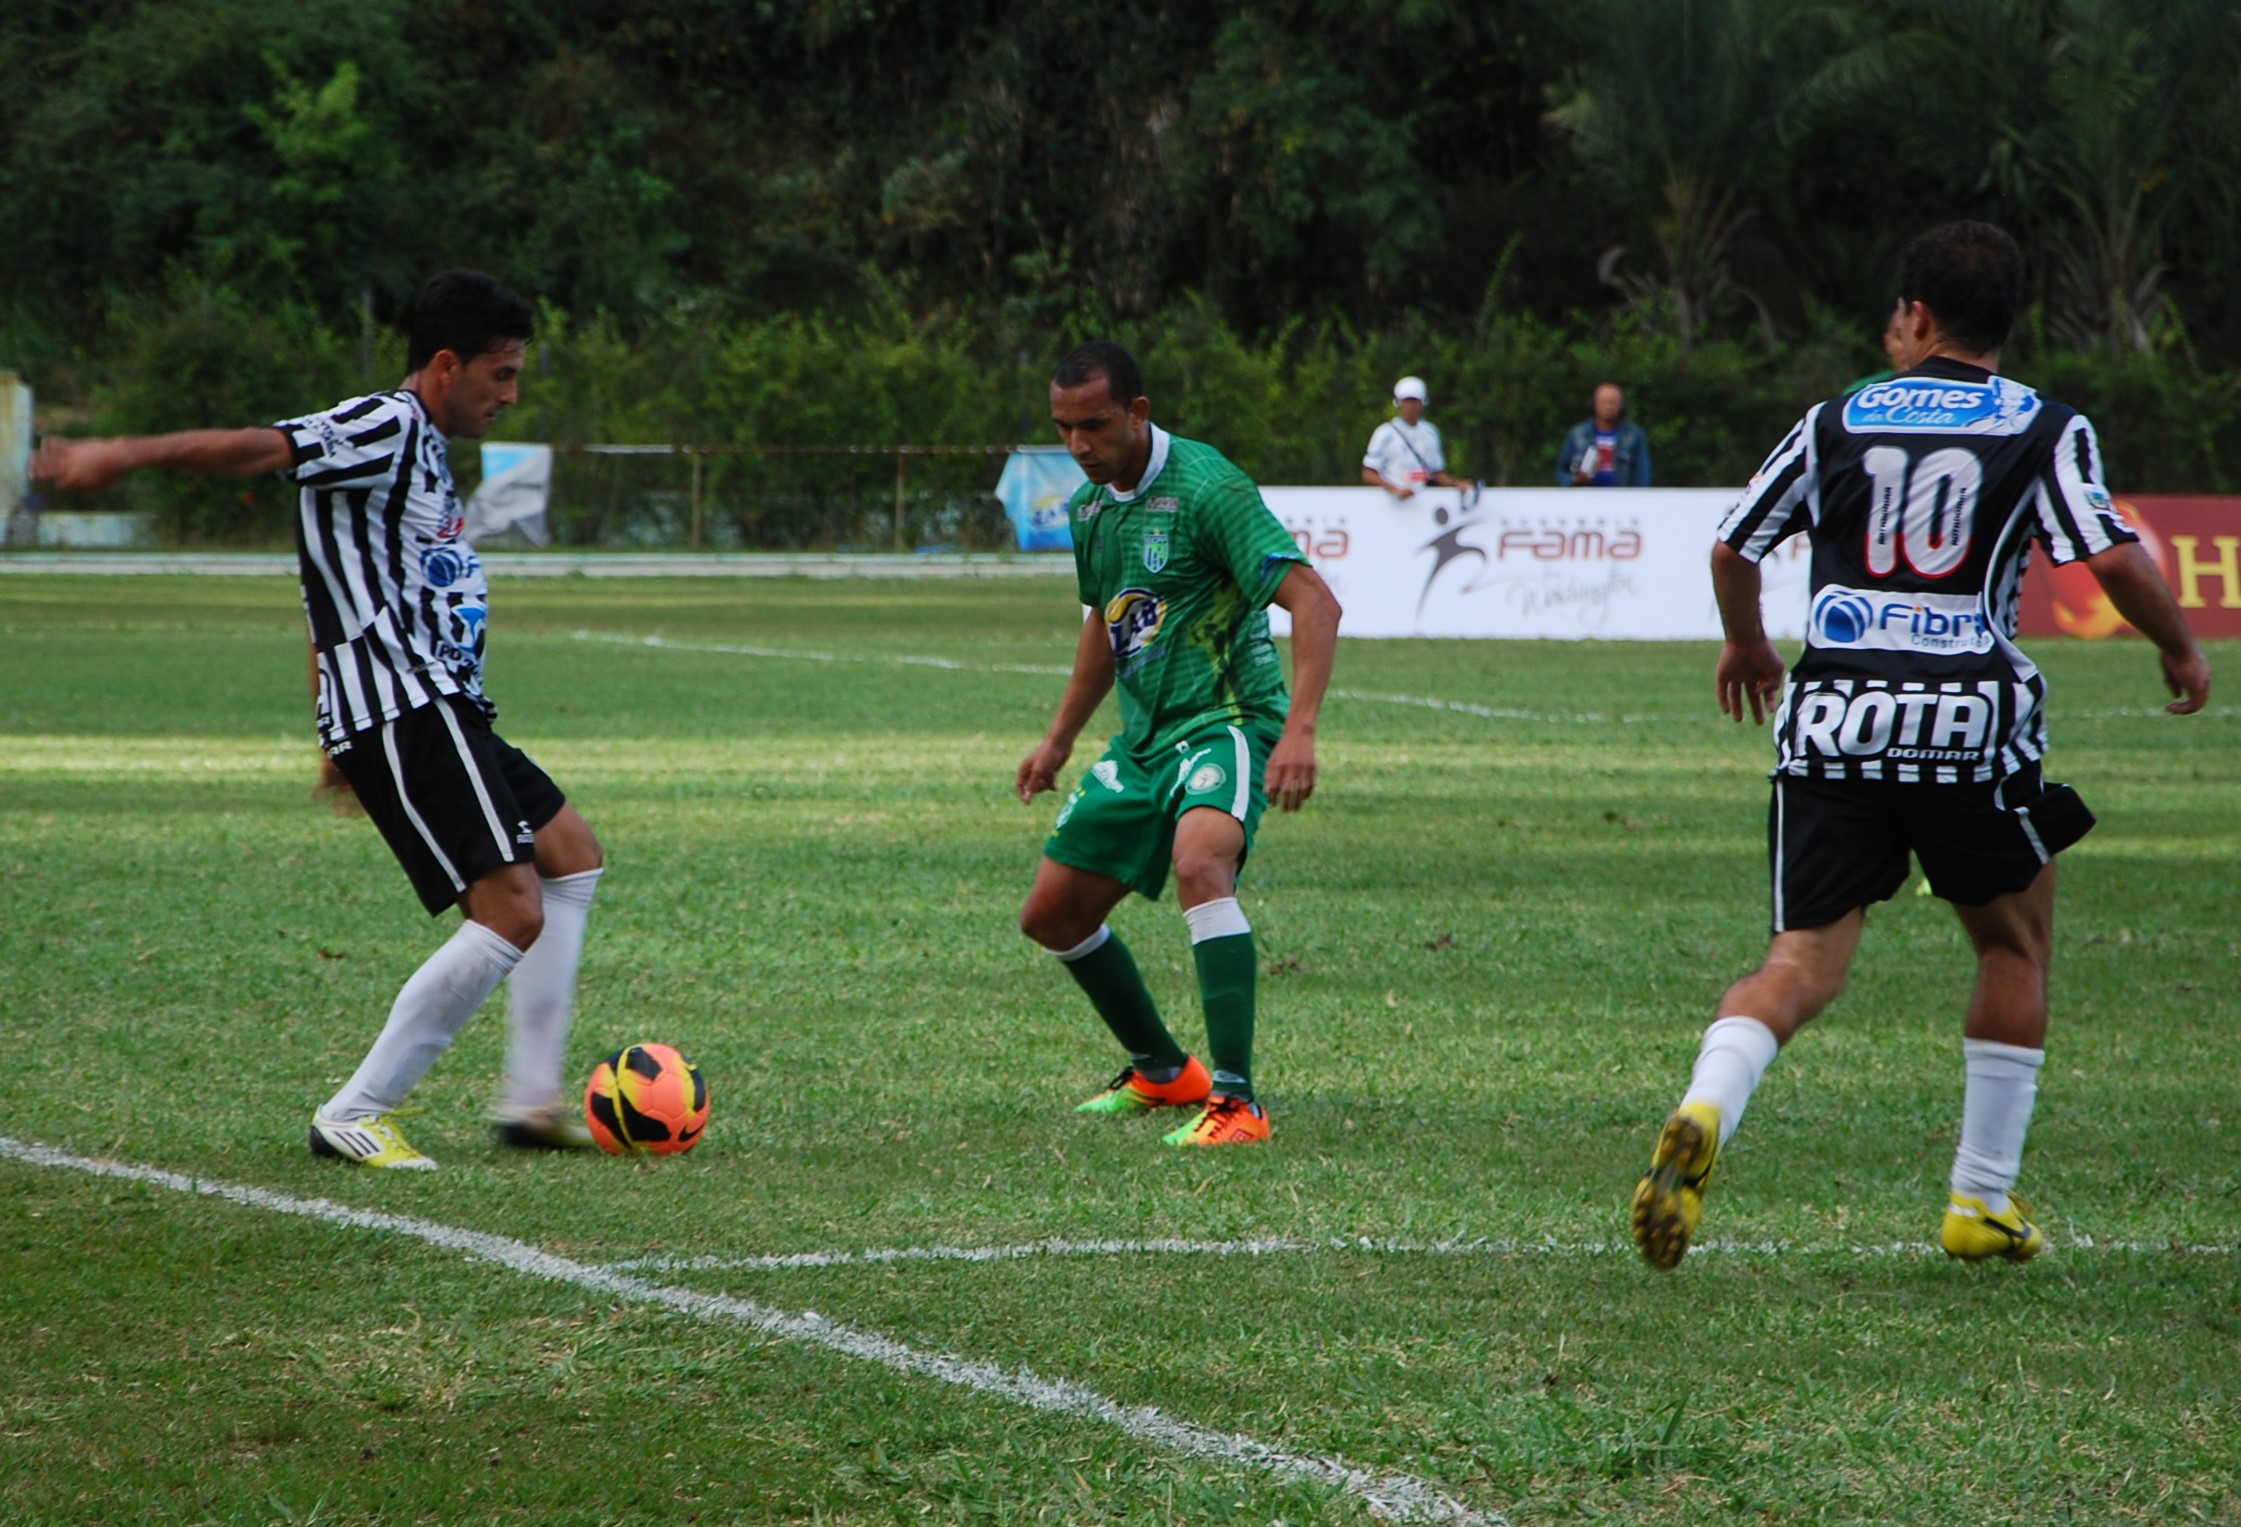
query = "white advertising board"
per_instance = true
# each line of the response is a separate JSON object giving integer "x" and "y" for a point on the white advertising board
{"x": 1561, "y": 564}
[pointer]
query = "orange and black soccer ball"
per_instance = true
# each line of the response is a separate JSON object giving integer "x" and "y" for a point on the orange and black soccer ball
{"x": 647, "y": 1098}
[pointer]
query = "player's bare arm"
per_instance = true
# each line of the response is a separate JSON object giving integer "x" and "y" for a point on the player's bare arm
{"x": 2129, "y": 577}
{"x": 1315, "y": 614}
{"x": 88, "y": 466}
{"x": 1092, "y": 680}
{"x": 1750, "y": 670}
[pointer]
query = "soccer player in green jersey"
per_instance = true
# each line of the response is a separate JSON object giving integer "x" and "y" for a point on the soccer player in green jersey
{"x": 1178, "y": 559}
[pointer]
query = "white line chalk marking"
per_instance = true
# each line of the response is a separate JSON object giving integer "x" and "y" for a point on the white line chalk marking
{"x": 2067, "y": 1241}
{"x": 1358, "y": 696}
{"x": 805, "y": 655}
{"x": 1050, "y": 670}
{"x": 1400, "y": 1497}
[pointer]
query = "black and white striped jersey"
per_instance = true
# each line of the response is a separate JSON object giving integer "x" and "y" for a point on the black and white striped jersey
{"x": 1921, "y": 497}
{"x": 394, "y": 595}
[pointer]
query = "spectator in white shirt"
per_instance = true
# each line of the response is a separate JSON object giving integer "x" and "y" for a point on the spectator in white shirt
{"x": 1405, "y": 454}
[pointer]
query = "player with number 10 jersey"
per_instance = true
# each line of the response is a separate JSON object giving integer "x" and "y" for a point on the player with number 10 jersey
{"x": 1923, "y": 496}
{"x": 1912, "y": 726}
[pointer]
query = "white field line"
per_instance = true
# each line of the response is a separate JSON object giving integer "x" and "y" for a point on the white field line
{"x": 1358, "y": 696}
{"x": 1052, "y": 670}
{"x": 2067, "y": 1241}
{"x": 805, "y": 655}
{"x": 1400, "y": 1497}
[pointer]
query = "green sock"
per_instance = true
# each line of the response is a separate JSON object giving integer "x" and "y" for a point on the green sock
{"x": 1116, "y": 989}
{"x": 1226, "y": 970}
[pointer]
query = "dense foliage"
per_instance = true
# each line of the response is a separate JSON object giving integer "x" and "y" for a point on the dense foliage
{"x": 917, "y": 201}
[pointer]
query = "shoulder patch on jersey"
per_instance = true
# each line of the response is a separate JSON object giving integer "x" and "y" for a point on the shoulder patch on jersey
{"x": 1941, "y": 406}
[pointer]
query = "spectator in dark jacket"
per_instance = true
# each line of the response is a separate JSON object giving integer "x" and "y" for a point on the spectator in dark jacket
{"x": 1607, "y": 451}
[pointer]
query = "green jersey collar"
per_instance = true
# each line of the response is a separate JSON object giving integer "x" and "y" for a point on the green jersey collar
{"x": 1151, "y": 471}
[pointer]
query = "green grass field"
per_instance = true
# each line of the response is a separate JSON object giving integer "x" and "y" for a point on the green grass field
{"x": 1490, "y": 945}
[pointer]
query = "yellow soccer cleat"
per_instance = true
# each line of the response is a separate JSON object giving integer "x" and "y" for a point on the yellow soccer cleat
{"x": 1972, "y": 1232}
{"x": 1670, "y": 1198}
{"x": 1225, "y": 1120}
{"x": 371, "y": 1141}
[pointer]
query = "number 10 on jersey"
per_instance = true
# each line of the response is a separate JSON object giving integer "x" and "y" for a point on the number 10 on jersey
{"x": 1925, "y": 511}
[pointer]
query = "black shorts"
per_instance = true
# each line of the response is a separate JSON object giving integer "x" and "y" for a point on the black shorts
{"x": 1840, "y": 844}
{"x": 452, "y": 798}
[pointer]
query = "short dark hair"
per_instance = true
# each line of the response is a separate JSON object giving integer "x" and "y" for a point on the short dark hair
{"x": 1101, "y": 358}
{"x": 467, "y": 313}
{"x": 1970, "y": 275}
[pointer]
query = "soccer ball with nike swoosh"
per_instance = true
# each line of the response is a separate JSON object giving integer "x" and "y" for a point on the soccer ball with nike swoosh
{"x": 646, "y": 1098}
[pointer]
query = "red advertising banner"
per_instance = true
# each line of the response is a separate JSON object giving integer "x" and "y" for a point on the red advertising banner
{"x": 2195, "y": 541}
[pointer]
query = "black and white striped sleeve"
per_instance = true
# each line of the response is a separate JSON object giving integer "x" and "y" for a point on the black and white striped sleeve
{"x": 2077, "y": 517}
{"x": 1779, "y": 501}
{"x": 354, "y": 442}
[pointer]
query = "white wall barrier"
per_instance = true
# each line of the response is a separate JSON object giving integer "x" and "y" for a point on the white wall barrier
{"x": 1565, "y": 564}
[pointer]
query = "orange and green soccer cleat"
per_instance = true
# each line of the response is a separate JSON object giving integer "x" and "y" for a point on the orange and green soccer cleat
{"x": 1130, "y": 1092}
{"x": 1670, "y": 1198}
{"x": 1972, "y": 1232}
{"x": 1225, "y": 1120}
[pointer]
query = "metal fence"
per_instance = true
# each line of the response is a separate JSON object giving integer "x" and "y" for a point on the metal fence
{"x": 779, "y": 497}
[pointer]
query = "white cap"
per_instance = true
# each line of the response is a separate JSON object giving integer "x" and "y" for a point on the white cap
{"x": 1410, "y": 387}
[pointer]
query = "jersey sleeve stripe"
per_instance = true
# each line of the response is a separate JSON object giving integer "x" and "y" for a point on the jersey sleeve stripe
{"x": 356, "y": 471}
{"x": 2075, "y": 508}
{"x": 1767, "y": 511}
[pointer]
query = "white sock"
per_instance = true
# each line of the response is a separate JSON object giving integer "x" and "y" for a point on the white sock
{"x": 543, "y": 989}
{"x": 1216, "y": 919}
{"x": 1995, "y": 1115}
{"x": 1085, "y": 948}
{"x": 428, "y": 1014}
{"x": 1734, "y": 1055}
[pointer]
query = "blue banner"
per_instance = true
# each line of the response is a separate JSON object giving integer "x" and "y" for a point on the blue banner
{"x": 1038, "y": 481}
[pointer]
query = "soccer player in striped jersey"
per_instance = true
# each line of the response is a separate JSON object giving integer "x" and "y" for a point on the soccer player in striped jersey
{"x": 396, "y": 603}
{"x": 1912, "y": 722}
{"x": 1177, "y": 558}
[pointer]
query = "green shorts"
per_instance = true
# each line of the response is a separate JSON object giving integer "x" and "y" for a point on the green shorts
{"x": 1120, "y": 820}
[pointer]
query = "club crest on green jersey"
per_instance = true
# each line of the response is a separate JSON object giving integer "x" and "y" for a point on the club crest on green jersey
{"x": 1155, "y": 549}
{"x": 1132, "y": 621}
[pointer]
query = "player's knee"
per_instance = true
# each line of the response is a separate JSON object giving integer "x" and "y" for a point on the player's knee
{"x": 523, "y": 925}
{"x": 2018, "y": 945}
{"x": 593, "y": 855}
{"x": 1201, "y": 877}
{"x": 518, "y": 917}
{"x": 567, "y": 846}
{"x": 1044, "y": 926}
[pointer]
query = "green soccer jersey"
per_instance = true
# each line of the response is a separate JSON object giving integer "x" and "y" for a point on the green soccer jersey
{"x": 1182, "y": 570}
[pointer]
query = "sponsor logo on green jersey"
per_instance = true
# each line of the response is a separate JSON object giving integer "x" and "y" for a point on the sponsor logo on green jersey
{"x": 1133, "y": 618}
